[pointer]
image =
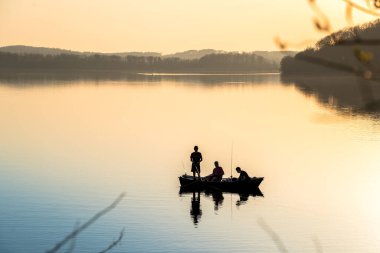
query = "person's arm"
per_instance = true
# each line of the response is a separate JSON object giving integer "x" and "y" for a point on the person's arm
{"x": 201, "y": 158}
{"x": 191, "y": 157}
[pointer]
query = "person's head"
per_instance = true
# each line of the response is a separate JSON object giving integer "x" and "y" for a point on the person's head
{"x": 195, "y": 148}
{"x": 238, "y": 169}
{"x": 216, "y": 164}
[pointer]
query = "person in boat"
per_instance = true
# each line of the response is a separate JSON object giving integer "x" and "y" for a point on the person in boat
{"x": 217, "y": 173}
{"x": 196, "y": 159}
{"x": 243, "y": 175}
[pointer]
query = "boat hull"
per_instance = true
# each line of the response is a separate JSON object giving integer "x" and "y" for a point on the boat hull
{"x": 227, "y": 185}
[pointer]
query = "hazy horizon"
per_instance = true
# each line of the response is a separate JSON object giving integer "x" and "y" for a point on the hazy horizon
{"x": 164, "y": 26}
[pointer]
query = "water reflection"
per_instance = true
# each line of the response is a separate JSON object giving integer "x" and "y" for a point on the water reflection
{"x": 195, "y": 210}
{"x": 346, "y": 93}
{"x": 66, "y": 151}
{"x": 216, "y": 196}
{"x": 24, "y": 79}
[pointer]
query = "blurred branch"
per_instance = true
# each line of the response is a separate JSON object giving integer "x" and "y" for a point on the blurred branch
{"x": 364, "y": 9}
{"x": 73, "y": 241}
{"x": 349, "y": 18}
{"x": 114, "y": 243}
{"x": 77, "y": 231}
{"x": 321, "y": 21}
{"x": 317, "y": 245}
{"x": 286, "y": 44}
{"x": 274, "y": 236}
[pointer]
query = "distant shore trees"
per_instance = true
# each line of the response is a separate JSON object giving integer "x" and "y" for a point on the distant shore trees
{"x": 353, "y": 50}
{"x": 224, "y": 62}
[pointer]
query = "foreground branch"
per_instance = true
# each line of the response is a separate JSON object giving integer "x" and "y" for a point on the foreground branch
{"x": 73, "y": 234}
{"x": 114, "y": 243}
{"x": 274, "y": 236}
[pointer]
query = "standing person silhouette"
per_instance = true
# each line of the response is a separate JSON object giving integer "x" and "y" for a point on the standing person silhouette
{"x": 196, "y": 159}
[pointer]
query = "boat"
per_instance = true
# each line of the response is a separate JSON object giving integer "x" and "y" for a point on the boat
{"x": 226, "y": 184}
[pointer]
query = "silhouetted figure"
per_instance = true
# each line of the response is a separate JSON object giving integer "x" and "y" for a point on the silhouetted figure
{"x": 216, "y": 174}
{"x": 243, "y": 175}
{"x": 195, "y": 210}
{"x": 196, "y": 159}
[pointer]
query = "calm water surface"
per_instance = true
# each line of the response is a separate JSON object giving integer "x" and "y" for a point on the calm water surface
{"x": 69, "y": 148}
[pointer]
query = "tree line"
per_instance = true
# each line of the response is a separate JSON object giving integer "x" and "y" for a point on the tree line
{"x": 224, "y": 62}
{"x": 355, "y": 50}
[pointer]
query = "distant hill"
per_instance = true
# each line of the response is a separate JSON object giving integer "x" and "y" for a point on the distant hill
{"x": 355, "y": 49}
{"x": 194, "y": 54}
{"x": 145, "y": 54}
{"x": 275, "y": 56}
{"x": 19, "y": 49}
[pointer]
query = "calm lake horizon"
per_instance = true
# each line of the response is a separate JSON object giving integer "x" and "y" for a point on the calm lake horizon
{"x": 70, "y": 146}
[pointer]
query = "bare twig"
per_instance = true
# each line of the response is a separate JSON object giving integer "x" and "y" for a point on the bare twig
{"x": 349, "y": 18}
{"x": 73, "y": 241}
{"x": 77, "y": 231}
{"x": 321, "y": 21}
{"x": 317, "y": 245}
{"x": 114, "y": 243}
{"x": 274, "y": 236}
{"x": 363, "y": 9}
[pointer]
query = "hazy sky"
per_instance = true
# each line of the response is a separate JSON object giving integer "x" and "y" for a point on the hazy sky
{"x": 162, "y": 25}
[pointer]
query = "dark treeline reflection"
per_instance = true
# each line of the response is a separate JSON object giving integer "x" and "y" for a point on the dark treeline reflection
{"x": 348, "y": 93}
{"x": 216, "y": 196}
{"x": 223, "y": 62}
{"x": 28, "y": 78}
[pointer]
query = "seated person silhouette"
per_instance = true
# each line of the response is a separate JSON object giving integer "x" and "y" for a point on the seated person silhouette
{"x": 217, "y": 173}
{"x": 243, "y": 175}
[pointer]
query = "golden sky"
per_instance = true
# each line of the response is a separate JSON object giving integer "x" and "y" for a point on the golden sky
{"x": 164, "y": 26}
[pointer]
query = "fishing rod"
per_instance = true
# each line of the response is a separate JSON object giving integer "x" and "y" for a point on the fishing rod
{"x": 183, "y": 166}
{"x": 232, "y": 151}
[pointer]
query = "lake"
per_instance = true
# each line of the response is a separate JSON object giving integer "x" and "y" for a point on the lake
{"x": 70, "y": 146}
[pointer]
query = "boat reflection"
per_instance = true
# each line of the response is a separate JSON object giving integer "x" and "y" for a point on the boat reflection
{"x": 217, "y": 197}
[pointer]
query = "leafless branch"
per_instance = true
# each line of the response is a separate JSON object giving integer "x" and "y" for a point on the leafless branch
{"x": 73, "y": 241}
{"x": 349, "y": 18}
{"x": 317, "y": 245}
{"x": 114, "y": 243}
{"x": 77, "y": 231}
{"x": 321, "y": 21}
{"x": 274, "y": 236}
{"x": 364, "y": 9}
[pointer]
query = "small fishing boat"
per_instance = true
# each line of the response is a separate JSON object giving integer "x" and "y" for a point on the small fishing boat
{"x": 227, "y": 184}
